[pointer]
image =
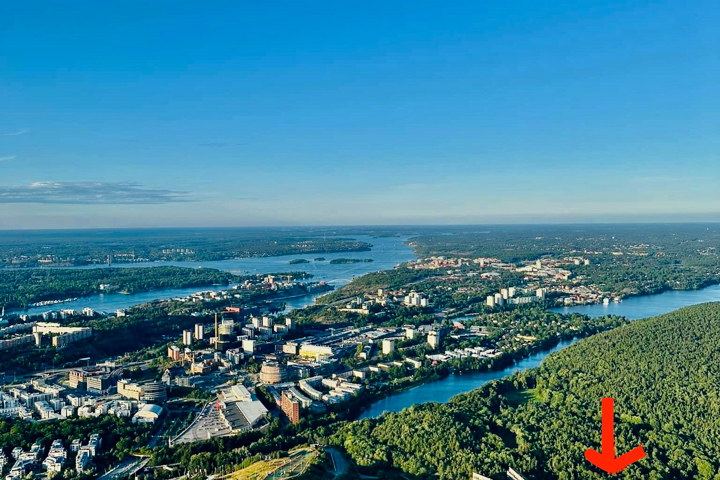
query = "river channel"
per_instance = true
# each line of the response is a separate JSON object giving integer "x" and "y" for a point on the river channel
{"x": 386, "y": 252}
{"x": 633, "y": 308}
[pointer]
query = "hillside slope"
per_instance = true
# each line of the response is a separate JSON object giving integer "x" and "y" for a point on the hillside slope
{"x": 664, "y": 374}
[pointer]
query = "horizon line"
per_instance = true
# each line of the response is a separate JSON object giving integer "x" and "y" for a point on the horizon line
{"x": 361, "y": 225}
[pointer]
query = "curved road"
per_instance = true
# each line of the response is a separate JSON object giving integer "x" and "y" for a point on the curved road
{"x": 339, "y": 463}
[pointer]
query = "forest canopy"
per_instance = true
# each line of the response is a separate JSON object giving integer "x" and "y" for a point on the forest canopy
{"x": 663, "y": 372}
{"x": 19, "y": 288}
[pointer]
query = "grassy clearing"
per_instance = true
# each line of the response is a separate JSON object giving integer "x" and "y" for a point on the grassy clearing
{"x": 521, "y": 397}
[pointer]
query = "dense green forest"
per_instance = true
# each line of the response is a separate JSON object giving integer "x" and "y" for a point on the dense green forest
{"x": 341, "y": 261}
{"x": 19, "y": 288}
{"x": 298, "y": 261}
{"x": 662, "y": 372}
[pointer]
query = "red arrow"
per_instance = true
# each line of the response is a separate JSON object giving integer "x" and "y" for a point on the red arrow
{"x": 607, "y": 460}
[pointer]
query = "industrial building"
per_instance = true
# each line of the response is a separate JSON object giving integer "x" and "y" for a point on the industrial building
{"x": 240, "y": 410}
{"x": 272, "y": 372}
{"x": 149, "y": 413}
{"x": 315, "y": 351}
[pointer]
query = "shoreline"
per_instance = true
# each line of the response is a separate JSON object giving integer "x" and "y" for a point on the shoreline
{"x": 145, "y": 262}
{"x": 646, "y": 294}
{"x": 546, "y": 347}
{"x": 20, "y": 310}
{"x": 629, "y": 319}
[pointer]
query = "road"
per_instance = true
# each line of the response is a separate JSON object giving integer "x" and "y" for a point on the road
{"x": 125, "y": 469}
{"x": 339, "y": 463}
{"x": 57, "y": 371}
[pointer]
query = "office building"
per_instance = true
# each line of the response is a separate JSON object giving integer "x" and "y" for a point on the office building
{"x": 248, "y": 332}
{"x": 433, "y": 339}
{"x": 130, "y": 390}
{"x": 290, "y": 348}
{"x": 499, "y": 300}
{"x": 415, "y": 299}
{"x": 290, "y": 407}
{"x": 78, "y": 377}
{"x": 61, "y": 336}
{"x": 410, "y": 331}
{"x": 100, "y": 383}
{"x": 248, "y": 346}
{"x": 154, "y": 392}
{"x": 174, "y": 353}
{"x": 199, "y": 332}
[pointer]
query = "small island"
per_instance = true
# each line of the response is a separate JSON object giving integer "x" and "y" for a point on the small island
{"x": 350, "y": 260}
{"x": 320, "y": 259}
{"x": 298, "y": 261}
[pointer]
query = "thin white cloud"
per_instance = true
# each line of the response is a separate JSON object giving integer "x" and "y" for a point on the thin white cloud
{"x": 90, "y": 193}
{"x": 7, "y": 157}
{"x": 21, "y": 131}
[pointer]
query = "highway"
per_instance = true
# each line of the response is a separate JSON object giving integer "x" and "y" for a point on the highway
{"x": 126, "y": 469}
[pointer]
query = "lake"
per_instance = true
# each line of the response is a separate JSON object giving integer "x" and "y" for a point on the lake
{"x": 633, "y": 308}
{"x": 648, "y": 305}
{"x": 446, "y": 388}
{"x": 386, "y": 253}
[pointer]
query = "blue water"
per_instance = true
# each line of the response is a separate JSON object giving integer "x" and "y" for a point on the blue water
{"x": 633, "y": 308}
{"x": 649, "y": 305}
{"x": 443, "y": 390}
{"x": 386, "y": 253}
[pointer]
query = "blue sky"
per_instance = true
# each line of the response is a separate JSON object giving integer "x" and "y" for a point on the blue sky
{"x": 178, "y": 113}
